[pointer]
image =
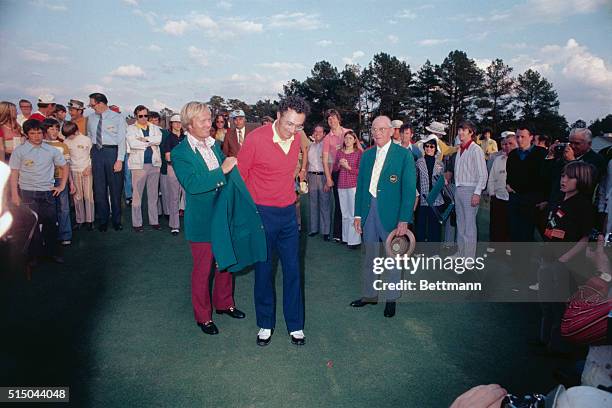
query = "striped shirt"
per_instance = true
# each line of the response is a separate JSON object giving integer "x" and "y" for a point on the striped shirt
{"x": 471, "y": 169}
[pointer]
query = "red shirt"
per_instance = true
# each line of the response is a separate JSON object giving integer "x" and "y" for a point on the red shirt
{"x": 465, "y": 146}
{"x": 347, "y": 178}
{"x": 266, "y": 169}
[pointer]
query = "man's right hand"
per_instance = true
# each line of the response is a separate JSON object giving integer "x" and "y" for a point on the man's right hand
{"x": 328, "y": 185}
{"x": 16, "y": 200}
{"x": 228, "y": 164}
{"x": 357, "y": 225}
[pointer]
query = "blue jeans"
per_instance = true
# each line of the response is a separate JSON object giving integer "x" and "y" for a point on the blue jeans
{"x": 62, "y": 208}
{"x": 282, "y": 239}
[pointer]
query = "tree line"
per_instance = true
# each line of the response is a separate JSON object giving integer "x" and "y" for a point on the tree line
{"x": 452, "y": 91}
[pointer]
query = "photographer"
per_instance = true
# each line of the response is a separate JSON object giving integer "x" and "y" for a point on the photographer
{"x": 560, "y": 153}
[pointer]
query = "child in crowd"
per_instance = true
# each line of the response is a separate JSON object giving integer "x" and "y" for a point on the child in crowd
{"x": 32, "y": 185}
{"x": 51, "y": 131}
{"x": 79, "y": 147}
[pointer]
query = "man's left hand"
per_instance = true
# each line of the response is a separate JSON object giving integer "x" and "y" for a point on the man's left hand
{"x": 475, "y": 200}
{"x": 402, "y": 228}
{"x": 117, "y": 166}
{"x": 58, "y": 190}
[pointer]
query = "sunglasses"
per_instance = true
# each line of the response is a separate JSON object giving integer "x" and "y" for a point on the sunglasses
{"x": 143, "y": 116}
{"x": 429, "y": 146}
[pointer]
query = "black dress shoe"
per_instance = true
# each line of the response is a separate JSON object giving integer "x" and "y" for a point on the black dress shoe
{"x": 264, "y": 342}
{"x": 90, "y": 226}
{"x": 58, "y": 259}
{"x": 356, "y": 246}
{"x": 77, "y": 227}
{"x": 232, "y": 312}
{"x": 156, "y": 227}
{"x": 102, "y": 227}
{"x": 138, "y": 229}
{"x": 209, "y": 328}
{"x": 326, "y": 237}
{"x": 298, "y": 341}
{"x": 390, "y": 309}
{"x": 361, "y": 303}
{"x": 312, "y": 234}
{"x": 118, "y": 227}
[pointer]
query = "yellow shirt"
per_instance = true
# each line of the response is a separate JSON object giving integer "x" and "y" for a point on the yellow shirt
{"x": 61, "y": 146}
{"x": 284, "y": 144}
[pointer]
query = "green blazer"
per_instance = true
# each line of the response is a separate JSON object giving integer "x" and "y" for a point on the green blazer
{"x": 238, "y": 235}
{"x": 201, "y": 188}
{"x": 396, "y": 191}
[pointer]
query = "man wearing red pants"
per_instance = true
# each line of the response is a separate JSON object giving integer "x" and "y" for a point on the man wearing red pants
{"x": 200, "y": 167}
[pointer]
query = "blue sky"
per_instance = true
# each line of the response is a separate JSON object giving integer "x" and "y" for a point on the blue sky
{"x": 164, "y": 54}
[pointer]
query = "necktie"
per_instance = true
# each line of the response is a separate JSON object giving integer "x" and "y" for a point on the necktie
{"x": 99, "y": 133}
{"x": 240, "y": 136}
{"x": 378, "y": 163}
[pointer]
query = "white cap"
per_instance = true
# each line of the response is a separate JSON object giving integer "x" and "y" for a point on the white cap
{"x": 396, "y": 124}
{"x": 237, "y": 113}
{"x": 46, "y": 98}
{"x": 175, "y": 118}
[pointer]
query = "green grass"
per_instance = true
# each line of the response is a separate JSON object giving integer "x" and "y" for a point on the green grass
{"x": 116, "y": 325}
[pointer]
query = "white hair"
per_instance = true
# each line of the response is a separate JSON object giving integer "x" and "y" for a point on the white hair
{"x": 587, "y": 133}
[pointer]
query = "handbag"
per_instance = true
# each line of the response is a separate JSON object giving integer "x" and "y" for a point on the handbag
{"x": 585, "y": 320}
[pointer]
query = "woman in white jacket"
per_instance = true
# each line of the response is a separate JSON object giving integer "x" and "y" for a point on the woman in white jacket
{"x": 144, "y": 160}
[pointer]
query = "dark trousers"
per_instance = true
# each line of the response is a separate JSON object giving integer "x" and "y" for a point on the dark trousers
{"x": 427, "y": 226}
{"x": 337, "y": 210}
{"x": 222, "y": 297}
{"x": 498, "y": 225}
{"x": 42, "y": 203}
{"x": 105, "y": 182}
{"x": 522, "y": 221}
{"x": 282, "y": 239}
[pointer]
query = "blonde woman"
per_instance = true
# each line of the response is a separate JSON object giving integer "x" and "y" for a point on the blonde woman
{"x": 10, "y": 131}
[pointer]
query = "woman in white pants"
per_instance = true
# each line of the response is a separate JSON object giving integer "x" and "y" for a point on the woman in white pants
{"x": 174, "y": 189}
{"x": 347, "y": 164}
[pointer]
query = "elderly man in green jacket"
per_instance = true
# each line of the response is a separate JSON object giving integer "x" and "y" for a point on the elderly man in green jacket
{"x": 201, "y": 169}
{"x": 384, "y": 201}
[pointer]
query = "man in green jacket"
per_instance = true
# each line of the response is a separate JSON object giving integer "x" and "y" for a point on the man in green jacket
{"x": 384, "y": 201}
{"x": 201, "y": 169}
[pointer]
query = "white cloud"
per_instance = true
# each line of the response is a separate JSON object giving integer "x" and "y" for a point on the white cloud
{"x": 225, "y": 5}
{"x": 433, "y": 41}
{"x": 44, "y": 4}
{"x": 131, "y": 2}
{"x": 515, "y": 46}
{"x": 393, "y": 39}
{"x": 282, "y": 65}
{"x": 149, "y": 16}
{"x": 482, "y": 63}
{"x": 244, "y": 26}
{"x": 559, "y": 9}
{"x": 407, "y": 14}
{"x": 154, "y": 48}
{"x": 91, "y": 88}
{"x": 324, "y": 43}
{"x": 128, "y": 71}
{"x": 297, "y": 21}
{"x": 352, "y": 59}
{"x": 197, "y": 55}
{"x": 204, "y": 22}
{"x": 176, "y": 28}
{"x": 29, "y": 54}
{"x": 158, "y": 105}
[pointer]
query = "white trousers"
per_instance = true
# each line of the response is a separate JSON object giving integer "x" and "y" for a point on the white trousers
{"x": 347, "y": 206}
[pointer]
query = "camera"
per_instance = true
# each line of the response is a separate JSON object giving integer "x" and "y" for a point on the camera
{"x": 527, "y": 401}
{"x": 559, "y": 149}
{"x": 594, "y": 235}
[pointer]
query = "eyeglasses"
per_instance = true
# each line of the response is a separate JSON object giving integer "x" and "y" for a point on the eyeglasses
{"x": 296, "y": 127}
{"x": 381, "y": 129}
{"x": 143, "y": 116}
{"x": 429, "y": 146}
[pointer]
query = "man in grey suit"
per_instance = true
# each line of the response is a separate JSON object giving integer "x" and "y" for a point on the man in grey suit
{"x": 318, "y": 198}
